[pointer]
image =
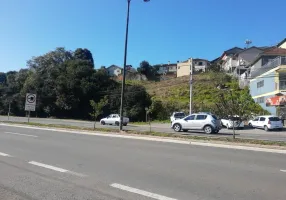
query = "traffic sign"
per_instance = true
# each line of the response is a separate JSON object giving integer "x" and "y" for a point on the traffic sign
{"x": 30, "y": 104}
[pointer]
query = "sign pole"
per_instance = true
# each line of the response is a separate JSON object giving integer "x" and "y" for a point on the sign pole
{"x": 9, "y": 111}
{"x": 29, "y": 116}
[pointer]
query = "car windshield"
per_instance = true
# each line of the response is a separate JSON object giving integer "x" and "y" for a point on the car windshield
{"x": 234, "y": 118}
{"x": 274, "y": 119}
{"x": 179, "y": 115}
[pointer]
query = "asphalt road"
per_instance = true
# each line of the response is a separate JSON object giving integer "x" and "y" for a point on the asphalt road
{"x": 247, "y": 133}
{"x": 41, "y": 164}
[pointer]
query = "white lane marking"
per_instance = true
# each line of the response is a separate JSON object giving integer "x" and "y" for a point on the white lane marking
{"x": 48, "y": 166}
{"x": 282, "y": 170}
{"x": 21, "y": 134}
{"x": 226, "y": 146}
{"x": 140, "y": 192}
{"x": 4, "y": 154}
{"x": 56, "y": 169}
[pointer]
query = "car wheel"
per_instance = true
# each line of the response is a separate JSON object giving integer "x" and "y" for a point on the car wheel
{"x": 250, "y": 125}
{"x": 280, "y": 129}
{"x": 208, "y": 129}
{"x": 266, "y": 128}
{"x": 102, "y": 122}
{"x": 116, "y": 123}
{"x": 177, "y": 127}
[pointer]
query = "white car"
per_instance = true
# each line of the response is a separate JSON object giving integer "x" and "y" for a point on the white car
{"x": 207, "y": 122}
{"x": 228, "y": 123}
{"x": 114, "y": 119}
{"x": 266, "y": 122}
{"x": 177, "y": 115}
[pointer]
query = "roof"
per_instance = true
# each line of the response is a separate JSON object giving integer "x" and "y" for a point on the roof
{"x": 215, "y": 60}
{"x": 233, "y": 50}
{"x": 199, "y": 59}
{"x": 195, "y": 59}
{"x": 251, "y": 56}
{"x": 275, "y": 51}
{"x": 280, "y": 43}
{"x": 114, "y": 66}
{"x": 171, "y": 64}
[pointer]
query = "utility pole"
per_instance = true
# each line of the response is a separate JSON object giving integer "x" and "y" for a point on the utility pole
{"x": 124, "y": 67}
{"x": 191, "y": 84}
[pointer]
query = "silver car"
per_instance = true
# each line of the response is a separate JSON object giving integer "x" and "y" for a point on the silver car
{"x": 207, "y": 122}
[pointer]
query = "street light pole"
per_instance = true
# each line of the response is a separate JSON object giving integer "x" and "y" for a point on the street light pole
{"x": 191, "y": 84}
{"x": 124, "y": 67}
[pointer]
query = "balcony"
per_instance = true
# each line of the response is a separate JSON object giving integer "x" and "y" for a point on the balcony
{"x": 281, "y": 60}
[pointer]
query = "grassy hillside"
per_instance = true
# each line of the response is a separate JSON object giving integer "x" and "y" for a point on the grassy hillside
{"x": 173, "y": 95}
{"x": 176, "y": 90}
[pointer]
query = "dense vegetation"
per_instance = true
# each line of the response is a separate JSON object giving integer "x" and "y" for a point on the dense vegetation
{"x": 65, "y": 82}
{"x": 214, "y": 92}
{"x": 68, "y": 86}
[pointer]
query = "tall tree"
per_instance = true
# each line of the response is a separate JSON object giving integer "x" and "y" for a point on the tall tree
{"x": 83, "y": 54}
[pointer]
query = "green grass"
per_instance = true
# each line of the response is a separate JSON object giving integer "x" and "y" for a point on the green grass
{"x": 161, "y": 134}
{"x": 155, "y": 121}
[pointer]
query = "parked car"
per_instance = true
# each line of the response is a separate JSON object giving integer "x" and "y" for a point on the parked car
{"x": 177, "y": 115}
{"x": 114, "y": 119}
{"x": 266, "y": 122}
{"x": 228, "y": 123}
{"x": 207, "y": 122}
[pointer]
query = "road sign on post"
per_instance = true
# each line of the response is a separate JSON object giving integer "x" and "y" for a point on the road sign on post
{"x": 30, "y": 104}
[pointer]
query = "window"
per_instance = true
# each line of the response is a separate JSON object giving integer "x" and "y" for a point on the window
{"x": 215, "y": 117}
{"x": 260, "y": 100}
{"x": 274, "y": 119}
{"x": 256, "y": 119}
{"x": 260, "y": 84}
{"x": 201, "y": 117}
{"x": 192, "y": 117}
{"x": 178, "y": 67}
{"x": 262, "y": 119}
{"x": 179, "y": 115}
{"x": 200, "y": 63}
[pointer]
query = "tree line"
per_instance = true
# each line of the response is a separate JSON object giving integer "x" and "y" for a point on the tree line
{"x": 65, "y": 83}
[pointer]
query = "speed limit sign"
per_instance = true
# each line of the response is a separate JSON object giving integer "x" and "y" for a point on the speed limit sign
{"x": 30, "y": 104}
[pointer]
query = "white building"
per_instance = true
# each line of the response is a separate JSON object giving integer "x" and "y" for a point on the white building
{"x": 114, "y": 70}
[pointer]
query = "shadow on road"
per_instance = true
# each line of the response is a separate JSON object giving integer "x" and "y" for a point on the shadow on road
{"x": 202, "y": 133}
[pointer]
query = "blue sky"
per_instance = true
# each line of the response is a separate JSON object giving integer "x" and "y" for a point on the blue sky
{"x": 160, "y": 31}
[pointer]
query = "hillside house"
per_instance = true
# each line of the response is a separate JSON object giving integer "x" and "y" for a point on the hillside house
{"x": 114, "y": 70}
{"x": 267, "y": 77}
{"x": 199, "y": 65}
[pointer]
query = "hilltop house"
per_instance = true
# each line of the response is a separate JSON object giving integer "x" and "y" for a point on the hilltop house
{"x": 228, "y": 60}
{"x": 282, "y": 44}
{"x": 114, "y": 70}
{"x": 170, "y": 68}
{"x": 199, "y": 65}
{"x": 267, "y": 78}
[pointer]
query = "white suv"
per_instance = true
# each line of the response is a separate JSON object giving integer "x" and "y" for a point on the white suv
{"x": 207, "y": 122}
{"x": 267, "y": 122}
